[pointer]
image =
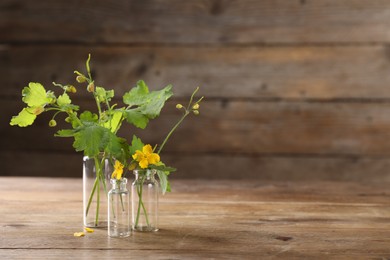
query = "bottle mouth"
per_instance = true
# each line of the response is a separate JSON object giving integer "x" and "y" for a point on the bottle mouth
{"x": 144, "y": 171}
{"x": 116, "y": 181}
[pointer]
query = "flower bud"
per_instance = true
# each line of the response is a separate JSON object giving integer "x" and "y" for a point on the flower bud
{"x": 196, "y": 106}
{"x": 80, "y": 79}
{"x": 91, "y": 87}
{"x": 71, "y": 89}
{"x": 179, "y": 106}
{"x": 196, "y": 112}
{"x": 52, "y": 123}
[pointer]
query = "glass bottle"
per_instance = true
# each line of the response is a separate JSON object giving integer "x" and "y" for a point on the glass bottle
{"x": 144, "y": 201}
{"x": 96, "y": 175}
{"x": 118, "y": 209}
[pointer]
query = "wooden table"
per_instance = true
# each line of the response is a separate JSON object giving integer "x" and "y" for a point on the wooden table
{"x": 204, "y": 219}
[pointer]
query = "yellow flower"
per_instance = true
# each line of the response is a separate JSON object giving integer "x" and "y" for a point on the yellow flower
{"x": 146, "y": 156}
{"x": 118, "y": 170}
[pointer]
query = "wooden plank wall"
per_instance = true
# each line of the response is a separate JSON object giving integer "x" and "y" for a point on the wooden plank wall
{"x": 294, "y": 89}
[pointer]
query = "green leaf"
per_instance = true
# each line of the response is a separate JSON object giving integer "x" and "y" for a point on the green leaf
{"x": 136, "y": 96}
{"x": 135, "y": 117}
{"x": 93, "y": 139}
{"x": 125, "y": 151}
{"x": 89, "y": 117}
{"x": 163, "y": 168}
{"x": 164, "y": 183}
{"x": 114, "y": 121}
{"x": 88, "y": 140}
{"x": 63, "y": 100}
{"x": 168, "y": 187}
{"x": 23, "y": 119}
{"x": 155, "y": 102}
{"x": 65, "y": 133}
{"x": 104, "y": 95}
{"x": 149, "y": 104}
{"x": 136, "y": 144}
{"x": 35, "y": 95}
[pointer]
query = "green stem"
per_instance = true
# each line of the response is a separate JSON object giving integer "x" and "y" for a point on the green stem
{"x": 102, "y": 177}
{"x": 172, "y": 130}
{"x": 99, "y": 178}
{"x": 91, "y": 195}
{"x": 98, "y": 106}
{"x": 186, "y": 113}
{"x": 97, "y": 204}
{"x": 141, "y": 204}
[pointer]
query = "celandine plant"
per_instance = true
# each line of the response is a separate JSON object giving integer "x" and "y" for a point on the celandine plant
{"x": 95, "y": 134}
{"x": 146, "y": 163}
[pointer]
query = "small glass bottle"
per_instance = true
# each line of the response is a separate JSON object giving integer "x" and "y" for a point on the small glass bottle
{"x": 96, "y": 176}
{"x": 144, "y": 201}
{"x": 118, "y": 209}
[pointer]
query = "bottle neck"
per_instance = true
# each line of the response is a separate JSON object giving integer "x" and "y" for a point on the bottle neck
{"x": 119, "y": 184}
{"x": 144, "y": 174}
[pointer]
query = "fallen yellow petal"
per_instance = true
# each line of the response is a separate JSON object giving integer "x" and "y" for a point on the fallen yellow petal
{"x": 89, "y": 230}
{"x": 79, "y": 234}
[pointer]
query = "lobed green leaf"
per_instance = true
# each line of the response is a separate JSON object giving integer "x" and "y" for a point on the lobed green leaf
{"x": 93, "y": 139}
{"x": 63, "y": 100}
{"x": 136, "y": 144}
{"x": 23, "y": 119}
{"x": 104, "y": 95}
{"x": 35, "y": 95}
{"x": 135, "y": 117}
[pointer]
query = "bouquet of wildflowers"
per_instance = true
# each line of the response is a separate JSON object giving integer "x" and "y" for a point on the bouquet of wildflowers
{"x": 95, "y": 133}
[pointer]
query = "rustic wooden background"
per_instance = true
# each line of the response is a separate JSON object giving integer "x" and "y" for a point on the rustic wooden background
{"x": 295, "y": 89}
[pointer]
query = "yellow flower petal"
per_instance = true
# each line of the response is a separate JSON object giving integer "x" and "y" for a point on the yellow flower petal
{"x": 153, "y": 158}
{"x": 147, "y": 149}
{"x": 118, "y": 165}
{"x": 138, "y": 155}
{"x": 79, "y": 234}
{"x": 144, "y": 163}
{"x": 118, "y": 170}
{"x": 89, "y": 230}
{"x": 119, "y": 175}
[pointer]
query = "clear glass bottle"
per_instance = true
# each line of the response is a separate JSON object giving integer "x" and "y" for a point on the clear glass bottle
{"x": 144, "y": 201}
{"x": 96, "y": 175}
{"x": 118, "y": 209}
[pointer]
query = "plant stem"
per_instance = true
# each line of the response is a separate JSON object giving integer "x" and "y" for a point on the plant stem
{"x": 97, "y": 205}
{"x": 172, "y": 130}
{"x": 102, "y": 176}
{"x": 98, "y": 106}
{"x": 141, "y": 204}
{"x": 91, "y": 195}
{"x": 186, "y": 113}
{"x": 118, "y": 183}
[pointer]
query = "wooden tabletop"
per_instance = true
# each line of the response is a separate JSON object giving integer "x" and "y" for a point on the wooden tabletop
{"x": 204, "y": 219}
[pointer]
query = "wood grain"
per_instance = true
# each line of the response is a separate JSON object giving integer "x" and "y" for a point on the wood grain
{"x": 195, "y": 22}
{"x": 240, "y": 127}
{"x": 205, "y": 219}
{"x": 215, "y": 166}
{"x": 296, "y": 72}
{"x": 294, "y": 89}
